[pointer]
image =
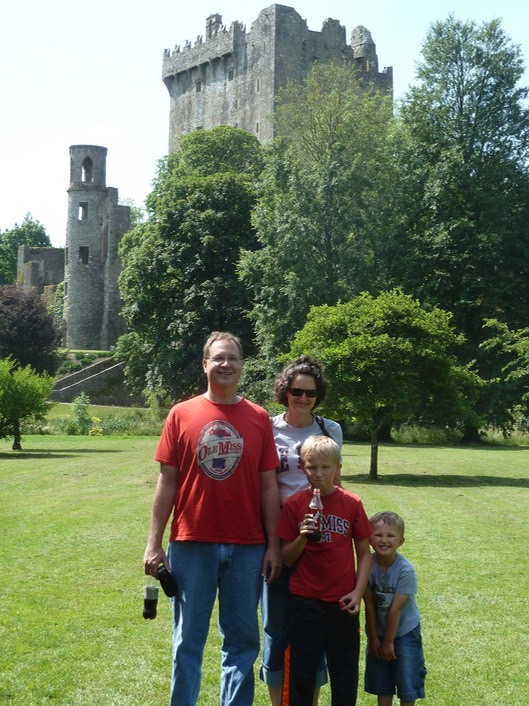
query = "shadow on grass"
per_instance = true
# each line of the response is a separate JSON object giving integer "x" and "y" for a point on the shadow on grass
{"x": 432, "y": 481}
{"x": 54, "y": 453}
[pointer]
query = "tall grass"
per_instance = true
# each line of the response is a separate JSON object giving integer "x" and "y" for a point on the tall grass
{"x": 74, "y": 515}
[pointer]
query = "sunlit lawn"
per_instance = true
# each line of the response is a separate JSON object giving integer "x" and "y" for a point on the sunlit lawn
{"x": 74, "y": 515}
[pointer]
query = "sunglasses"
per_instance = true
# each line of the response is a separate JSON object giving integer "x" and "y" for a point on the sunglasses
{"x": 299, "y": 392}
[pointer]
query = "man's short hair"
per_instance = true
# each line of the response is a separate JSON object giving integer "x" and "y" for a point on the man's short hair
{"x": 221, "y": 336}
{"x": 323, "y": 445}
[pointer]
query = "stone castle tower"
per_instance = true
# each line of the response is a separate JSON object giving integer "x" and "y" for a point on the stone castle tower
{"x": 232, "y": 77}
{"x": 96, "y": 223}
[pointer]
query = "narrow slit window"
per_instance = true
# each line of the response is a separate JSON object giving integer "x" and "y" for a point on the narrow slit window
{"x": 83, "y": 255}
{"x": 230, "y": 75}
{"x": 198, "y": 86}
{"x": 83, "y": 210}
{"x": 87, "y": 170}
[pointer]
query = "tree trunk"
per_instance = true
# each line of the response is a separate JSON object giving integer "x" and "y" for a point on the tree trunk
{"x": 373, "y": 470}
{"x": 471, "y": 435}
{"x": 17, "y": 440}
{"x": 384, "y": 433}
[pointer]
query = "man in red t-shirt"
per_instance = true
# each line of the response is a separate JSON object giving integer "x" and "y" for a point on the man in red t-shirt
{"x": 218, "y": 477}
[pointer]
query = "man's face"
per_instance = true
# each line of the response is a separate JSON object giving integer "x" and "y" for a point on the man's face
{"x": 223, "y": 366}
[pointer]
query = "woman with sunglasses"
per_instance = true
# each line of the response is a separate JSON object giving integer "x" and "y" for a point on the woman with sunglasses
{"x": 300, "y": 387}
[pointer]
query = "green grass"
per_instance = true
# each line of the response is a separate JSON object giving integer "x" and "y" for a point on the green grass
{"x": 74, "y": 515}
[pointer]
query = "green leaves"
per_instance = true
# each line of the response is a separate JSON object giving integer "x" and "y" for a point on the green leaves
{"x": 180, "y": 281}
{"x": 389, "y": 360}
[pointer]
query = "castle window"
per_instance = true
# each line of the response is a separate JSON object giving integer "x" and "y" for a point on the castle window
{"x": 198, "y": 86}
{"x": 83, "y": 255}
{"x": 257, "y": 127}
{"x": 87, "y": 170}
{"x": 257, "y": 85}
{"x": 230, "y": 75}
{"x": 236, "y": 104}
{"x": 65, "y": 256}
{"x": 83, "y": 210}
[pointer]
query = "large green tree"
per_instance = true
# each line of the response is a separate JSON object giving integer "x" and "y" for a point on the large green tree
{"x": 323, "y": 200}
{"x": 23, "y": 395}
{"x": 28, "y": 333}
{"x": 463, "y": 240}
{"x": 389, "y": 359}
{"x": 29, "y": 232}
{"x": 179, "y": 280}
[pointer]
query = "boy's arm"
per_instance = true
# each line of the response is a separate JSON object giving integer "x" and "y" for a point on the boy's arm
{"x": 392, "y": 624}
{"x": 291, "y": 551}
{"x": 353, "y": 600}
{"x": 373, "y": 643}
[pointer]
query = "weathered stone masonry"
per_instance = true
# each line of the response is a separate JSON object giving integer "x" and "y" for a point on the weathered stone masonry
{"x": 232, "y": 77}
{"x": 229, "y": 77}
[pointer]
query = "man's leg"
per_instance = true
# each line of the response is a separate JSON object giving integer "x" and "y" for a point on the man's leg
{"x": 195, "y": 568}
{"x": 239, "y": 590}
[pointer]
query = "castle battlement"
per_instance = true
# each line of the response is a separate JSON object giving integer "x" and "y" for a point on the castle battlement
{"x": 220, "y": 43}
{"x": 232, "y": 77}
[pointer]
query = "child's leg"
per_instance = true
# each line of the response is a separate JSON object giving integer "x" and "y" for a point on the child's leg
{"x": 306, "y": 629}
{"x": 385, "y": 700}
{"x": 342, "y": 648}
{"x": 407, "y": 703}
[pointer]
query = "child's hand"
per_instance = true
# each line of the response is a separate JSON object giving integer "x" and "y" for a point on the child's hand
{"x": 351, "y": 603}
{"x": 387, "y": 650}
{"x": 307, "y": 526}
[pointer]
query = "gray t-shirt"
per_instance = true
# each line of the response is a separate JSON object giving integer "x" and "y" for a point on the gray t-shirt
{"x": 291, "y": 477}
{"x": 400, "y": 577}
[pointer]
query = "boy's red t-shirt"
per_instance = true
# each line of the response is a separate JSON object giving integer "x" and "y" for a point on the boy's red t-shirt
{"x": 326, "y": 569}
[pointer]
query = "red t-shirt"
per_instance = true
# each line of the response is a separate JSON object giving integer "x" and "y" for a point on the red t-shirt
{"x": 219, "y": 450}
{"x": 326, "y": 569}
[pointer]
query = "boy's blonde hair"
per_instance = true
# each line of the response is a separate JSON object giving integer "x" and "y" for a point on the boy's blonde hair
{"x": 323, "y": 445}
{"x": 388, "y": 518}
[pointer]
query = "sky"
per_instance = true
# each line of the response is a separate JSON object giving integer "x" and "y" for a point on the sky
{"x": 74, "y": 72}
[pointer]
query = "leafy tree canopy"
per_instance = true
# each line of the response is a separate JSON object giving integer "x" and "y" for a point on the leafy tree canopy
{"x": 29, "y": 232}
{"x": 23, "y": 395}
{"x": 388, "y": 358}
{"x": 464, "y": 180}
{"x": 319, "y": 210}
{"x": 27, "y": 331}
{"x": 179, "y": 280}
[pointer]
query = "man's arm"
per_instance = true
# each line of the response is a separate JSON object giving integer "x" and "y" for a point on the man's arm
{"x": 162, "y": 506}
{"x": 270, "y": 509}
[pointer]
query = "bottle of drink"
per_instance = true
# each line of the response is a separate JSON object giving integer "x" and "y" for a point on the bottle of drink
{"x": 150, "y": 602}
{"x": 316, "y": 506}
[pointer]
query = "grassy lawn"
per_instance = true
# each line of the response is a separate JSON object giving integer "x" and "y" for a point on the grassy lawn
{"x": 74, "y": 515}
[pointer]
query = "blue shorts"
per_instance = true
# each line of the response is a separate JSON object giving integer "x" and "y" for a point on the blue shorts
{"x": 405, "y": 675}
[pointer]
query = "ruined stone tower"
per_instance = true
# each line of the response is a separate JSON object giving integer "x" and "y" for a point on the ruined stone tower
{"x": 95, "y": 225}
{"x": 232, "y": 77}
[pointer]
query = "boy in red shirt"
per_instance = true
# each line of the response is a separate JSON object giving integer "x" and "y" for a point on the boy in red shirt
{"x": 325, "y": 589}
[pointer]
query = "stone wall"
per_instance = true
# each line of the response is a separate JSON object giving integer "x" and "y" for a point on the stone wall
{"x": 232, "y": 77}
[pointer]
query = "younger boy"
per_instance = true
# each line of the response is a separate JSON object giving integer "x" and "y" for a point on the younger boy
{"x": 394, "y": 659}
{"x": 325, "y": 590}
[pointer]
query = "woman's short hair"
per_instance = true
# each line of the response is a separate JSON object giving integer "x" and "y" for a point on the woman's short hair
{"x": 304, "y": 365}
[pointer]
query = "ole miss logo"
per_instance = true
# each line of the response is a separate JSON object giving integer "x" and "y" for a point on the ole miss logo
{"x": 219, "y": 450}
